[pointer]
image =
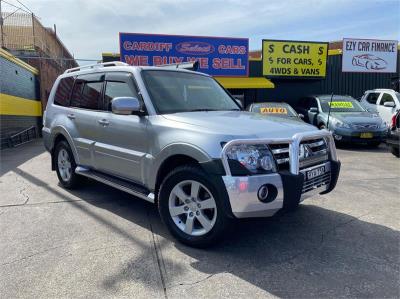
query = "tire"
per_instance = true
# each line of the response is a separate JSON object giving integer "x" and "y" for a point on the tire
{"x": 185, "y": 215}
{"x": 65, "y": 166}
{"x": 395, "y": 151}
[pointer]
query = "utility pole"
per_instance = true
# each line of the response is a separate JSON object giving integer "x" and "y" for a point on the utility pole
{"x": 1, "y": 28}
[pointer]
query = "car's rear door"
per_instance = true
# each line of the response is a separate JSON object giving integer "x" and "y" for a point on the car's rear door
{"x": 85, "y": 104}
{"x": 370, "y": 100}
{"x": 122, "y": 143}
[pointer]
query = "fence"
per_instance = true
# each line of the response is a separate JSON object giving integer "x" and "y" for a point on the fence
{"x": 24, "y": 32}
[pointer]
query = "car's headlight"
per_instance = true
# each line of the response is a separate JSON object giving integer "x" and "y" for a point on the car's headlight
{"x": 383, "y": 125}
{"x": 339, "y": 124}
{"x": 257, "y": 159}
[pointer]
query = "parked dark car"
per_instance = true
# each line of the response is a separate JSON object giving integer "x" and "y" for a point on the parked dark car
{"x": 348, "y": 120}
{"x": 393, "y": 139}
{"x": 279, "y": 109}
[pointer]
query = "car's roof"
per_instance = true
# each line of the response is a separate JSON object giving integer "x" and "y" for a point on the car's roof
{"x": 273, "y": 103}
{"x": 380, "y": 89}
{"x": 328, "y": 96}
{"x": 126, "y": 68}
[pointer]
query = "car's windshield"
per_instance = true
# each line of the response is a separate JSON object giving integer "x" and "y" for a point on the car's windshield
{"x": 397, "y": 95}
{"x": 277, "y": 109}
{"x": 173, "y": 91}
{"x": 341, "y": 104}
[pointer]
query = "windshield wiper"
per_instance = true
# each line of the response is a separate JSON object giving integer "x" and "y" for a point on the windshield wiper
{"x": 203, "y": 109}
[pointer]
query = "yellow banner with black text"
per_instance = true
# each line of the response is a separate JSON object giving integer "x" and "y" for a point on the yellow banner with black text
{"x": 294, "y": 59}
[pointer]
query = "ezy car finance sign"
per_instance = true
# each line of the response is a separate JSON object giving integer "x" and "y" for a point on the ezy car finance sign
{"x": 369, "y": 55}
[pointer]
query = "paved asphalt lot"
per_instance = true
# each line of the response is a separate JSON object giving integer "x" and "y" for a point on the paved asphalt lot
{"x": 100, "y": 242}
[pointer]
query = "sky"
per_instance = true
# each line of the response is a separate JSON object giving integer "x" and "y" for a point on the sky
{"x": 90, "y": 27}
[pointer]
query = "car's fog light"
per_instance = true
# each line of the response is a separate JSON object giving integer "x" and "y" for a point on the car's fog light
{"x": 267, "y": 193}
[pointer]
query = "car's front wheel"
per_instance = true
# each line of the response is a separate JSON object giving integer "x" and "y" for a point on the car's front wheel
{"x": 190, "y": 205}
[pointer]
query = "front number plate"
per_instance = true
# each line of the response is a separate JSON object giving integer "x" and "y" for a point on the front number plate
{"x": 366, "y": 135}
{"x": 315, "y": 172}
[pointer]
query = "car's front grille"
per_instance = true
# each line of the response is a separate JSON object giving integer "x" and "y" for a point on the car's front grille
{"x": 365, "y": 126}
{"x": 311, "y": 153}
{"x": 323, "y": 180}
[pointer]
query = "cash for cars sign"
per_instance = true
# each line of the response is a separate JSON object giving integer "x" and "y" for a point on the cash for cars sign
{"x": 217, "y": 56}
{"x": 369, "y": 56}
{"x": 294, "y": 59}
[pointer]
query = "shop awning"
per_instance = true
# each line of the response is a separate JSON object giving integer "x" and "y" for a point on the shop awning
{"x": 245, "y": 82}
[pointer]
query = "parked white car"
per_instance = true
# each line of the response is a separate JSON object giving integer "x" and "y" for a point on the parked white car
{"x": 384, "y": 101}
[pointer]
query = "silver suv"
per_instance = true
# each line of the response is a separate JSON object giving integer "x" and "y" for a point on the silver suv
{"x": 176, "y": 138}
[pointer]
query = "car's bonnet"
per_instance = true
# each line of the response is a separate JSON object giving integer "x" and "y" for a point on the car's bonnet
{"x": 241, "y": 123}
{"x": 357, "y": 117}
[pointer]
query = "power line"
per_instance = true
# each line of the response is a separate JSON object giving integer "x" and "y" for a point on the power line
{"x": 19, "y": 8}
{"x": 24, "y": 5}
{"x": 55, "y": 58}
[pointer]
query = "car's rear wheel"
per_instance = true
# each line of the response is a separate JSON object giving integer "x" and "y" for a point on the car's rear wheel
{"x": 191, "y": 207}
{"x": 65, "y": 165}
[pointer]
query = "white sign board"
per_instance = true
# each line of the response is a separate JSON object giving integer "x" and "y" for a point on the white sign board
{"x": 369, "y": 55}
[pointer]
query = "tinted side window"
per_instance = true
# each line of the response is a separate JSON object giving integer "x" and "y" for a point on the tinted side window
{"x": 63, "y": 92}
{"x": 90, "y": 98}
{"x": 372, "y": 98}
{"x": 77, "y": 93}
{"x": 386, "y": 98}
{"x": 117, "y": 89}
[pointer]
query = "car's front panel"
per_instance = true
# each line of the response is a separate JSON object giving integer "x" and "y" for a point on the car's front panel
{"x": 306, "y": 164}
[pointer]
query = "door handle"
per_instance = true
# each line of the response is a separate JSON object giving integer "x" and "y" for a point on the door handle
{"x": 71, "y": 116}
{"x": 103, "y": 122}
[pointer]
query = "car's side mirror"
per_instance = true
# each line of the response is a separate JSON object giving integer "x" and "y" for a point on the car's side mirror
{"x": 301, "y": 115}
{"x": 313, "y": 110}
{"x": 125, "y": 105}
{"x": 389, "y": 104}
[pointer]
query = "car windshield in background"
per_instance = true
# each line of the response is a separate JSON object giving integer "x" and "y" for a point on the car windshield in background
{"x": 397, "y": 95}
{"x": 341, "y": 105}
{"x": 277, "y": 109}
{"x": 173, "y": 92}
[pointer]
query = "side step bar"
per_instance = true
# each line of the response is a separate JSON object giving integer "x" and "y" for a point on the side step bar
{"x": 123, "y": 185}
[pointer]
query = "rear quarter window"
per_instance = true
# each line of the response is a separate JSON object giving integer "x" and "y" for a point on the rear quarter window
{"x": 63, "y": 92}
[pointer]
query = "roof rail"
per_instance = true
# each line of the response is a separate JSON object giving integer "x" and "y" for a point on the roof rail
{"x": 193, "y": 66}
{"x": 97, "y": 65}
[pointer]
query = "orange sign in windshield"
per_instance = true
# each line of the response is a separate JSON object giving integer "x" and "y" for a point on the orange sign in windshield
{"x": 273, "y": 110}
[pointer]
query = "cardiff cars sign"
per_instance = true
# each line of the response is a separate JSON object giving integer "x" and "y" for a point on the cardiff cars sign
{"x": 294, "y": 59}
{"x": 217, "y": 56}
{"x": 369, "y": 55}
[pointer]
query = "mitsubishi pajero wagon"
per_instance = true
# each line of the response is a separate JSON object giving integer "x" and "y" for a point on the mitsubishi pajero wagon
{"x": 178, "y": 139}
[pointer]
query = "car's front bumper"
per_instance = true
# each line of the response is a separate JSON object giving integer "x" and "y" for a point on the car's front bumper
{"x": 355, "y": 136}
{"x": 289, "y": 187}
{"x": 292, "y": 189}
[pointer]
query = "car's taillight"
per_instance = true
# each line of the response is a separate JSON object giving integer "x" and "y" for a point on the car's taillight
{"x": 393, "y": 123}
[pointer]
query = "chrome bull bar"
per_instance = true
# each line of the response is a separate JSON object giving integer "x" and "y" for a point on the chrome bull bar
{"x": 294, "y": 147}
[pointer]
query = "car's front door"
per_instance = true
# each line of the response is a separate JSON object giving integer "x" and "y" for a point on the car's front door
{"x": 385, "y": 112}
{"x": 122, "y": 143}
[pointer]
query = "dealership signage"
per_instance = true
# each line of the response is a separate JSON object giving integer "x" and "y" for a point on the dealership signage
{"x": 217, "y": 56}
{"x": 369, "y": 55}
{"x": 294, "y": 59}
